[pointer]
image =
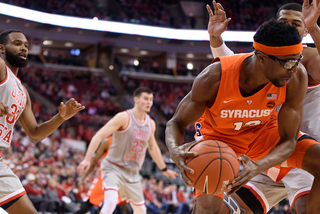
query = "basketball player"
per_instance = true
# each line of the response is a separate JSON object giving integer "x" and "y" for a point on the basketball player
{"x": 15, "y": 104}
{"x": 233, "y": 100}
{"x": 95, "y": 193}
{"x": 133, "y": 132}
{"x": 298, "y": 182}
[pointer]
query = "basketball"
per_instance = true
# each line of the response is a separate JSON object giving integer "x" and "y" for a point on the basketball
{"x": 215, "y": 166}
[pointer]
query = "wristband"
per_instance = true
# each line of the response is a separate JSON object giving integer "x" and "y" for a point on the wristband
{"x": 164, "y": 169}
{"x": 222, "y": 50}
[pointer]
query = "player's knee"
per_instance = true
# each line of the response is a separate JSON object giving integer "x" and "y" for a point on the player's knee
{"x": 110, "y": 202}
{"x": 139, "y": 209}
{"x": 205, "y": 205}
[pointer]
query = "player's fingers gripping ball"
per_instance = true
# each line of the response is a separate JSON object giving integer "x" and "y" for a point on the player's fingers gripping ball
{"x": 215, "y": 166}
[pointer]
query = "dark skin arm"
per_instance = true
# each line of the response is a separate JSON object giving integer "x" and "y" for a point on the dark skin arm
{"x": 99, "y": 153}
{"x": 188, "y": 111}
{"x": 38, "y": 132}
{"x": 289, "y": 121}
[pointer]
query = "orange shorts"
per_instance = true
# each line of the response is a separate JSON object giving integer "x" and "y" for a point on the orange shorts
{"x": 95, "y": 193}
{"x": 262, "y": 145}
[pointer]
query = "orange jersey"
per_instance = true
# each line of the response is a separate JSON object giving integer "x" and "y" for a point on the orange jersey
{"x": 235, "y": 119}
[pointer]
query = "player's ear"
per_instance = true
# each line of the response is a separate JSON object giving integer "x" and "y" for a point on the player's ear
{"x": 260, "y": 56}
{"x": 305, "y": 32}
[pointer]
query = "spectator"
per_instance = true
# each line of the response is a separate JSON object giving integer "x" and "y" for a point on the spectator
{"x": 152, "y": 202}
{"x": 35, "y": 193}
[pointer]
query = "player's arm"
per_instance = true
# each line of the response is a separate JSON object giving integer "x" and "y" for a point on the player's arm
{"x": 155, "y": 154}
{"x": 311, "y": 59}
{"x": 99, "y": 153}
{"x": 191, "y": 107}
{"x": 289, "y": 122}
{"x": 38, "y": 132}
{"x": 118, "y": 122}
{"x": 217, "y": 24}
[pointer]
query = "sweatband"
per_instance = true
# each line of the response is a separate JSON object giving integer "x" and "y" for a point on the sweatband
{"x": 222, "y": 50}
{"x": 280, "y": 51}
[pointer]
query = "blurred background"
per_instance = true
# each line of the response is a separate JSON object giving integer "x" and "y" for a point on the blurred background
{"x": 101, "y": 69}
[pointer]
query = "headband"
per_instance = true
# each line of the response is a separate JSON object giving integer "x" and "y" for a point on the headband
{"x": 280, "y": 51}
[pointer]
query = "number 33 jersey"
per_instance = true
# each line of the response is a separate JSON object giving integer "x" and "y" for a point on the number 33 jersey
{"x": 128, "y": 147}
{"x": 13, "y": 95}
{"x": 232, "y": 117}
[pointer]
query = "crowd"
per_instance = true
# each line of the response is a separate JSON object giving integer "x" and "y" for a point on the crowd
{"x": 245, "y": 14}
{"x": 60, "y": 86}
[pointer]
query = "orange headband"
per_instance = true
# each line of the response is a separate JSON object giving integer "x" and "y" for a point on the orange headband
{"x": 280, "y": 51}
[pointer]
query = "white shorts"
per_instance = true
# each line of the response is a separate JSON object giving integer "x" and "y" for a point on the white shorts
{"x": 295, "y": 184}
{"x": 126, "y": 182}
{"x": 10, "y": 185}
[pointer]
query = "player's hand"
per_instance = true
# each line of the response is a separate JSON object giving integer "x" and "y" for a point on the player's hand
{"x": 4, "y": 110}
{"x": 179, "y": 155}
{"x": 218, "y": 21}
{"x": 83, "y": 166}
{"x": 311, "y": 13}
{"x": 69, "y": 109}
{"x": 250, "y": 170}
{"x": 170, "y": 174}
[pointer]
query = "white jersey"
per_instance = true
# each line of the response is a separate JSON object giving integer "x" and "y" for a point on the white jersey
{"x": 128, "y": 147}
{"x": 311, "y": 112}
{"x": 14, "y": 96}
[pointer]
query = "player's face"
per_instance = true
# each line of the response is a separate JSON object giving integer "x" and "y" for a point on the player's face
{"x": 16, "y": 50}
{"x": 275, "y": 71}
{"x": 145, "y": 101}
{"x": 294, "y": 18}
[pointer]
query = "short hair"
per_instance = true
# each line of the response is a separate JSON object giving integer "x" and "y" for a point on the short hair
{"x": 139, "y": 91}
{"x": 276, "y": 34}
{"x": 290, "y": 6}
{"x": 4, "y": 35}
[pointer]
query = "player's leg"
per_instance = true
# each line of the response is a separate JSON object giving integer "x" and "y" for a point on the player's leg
{"x": 22, "y": 205}
{"x": 207, "y": 204}
{"x": 112, "y": 182}
{"x": 298, "y": 183}
{"x": 138, "y": 208}
{"x": 110, "y": 201}
{"x": 311, "y": 163}
{"x": 13, "y": 197}
{"x": 134, "y": 194}
{"x": 300, "y": 205}
{"x": 307, "y": 156}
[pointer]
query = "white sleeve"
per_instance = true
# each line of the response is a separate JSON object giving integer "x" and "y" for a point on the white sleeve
{"x": 222, "y": 50}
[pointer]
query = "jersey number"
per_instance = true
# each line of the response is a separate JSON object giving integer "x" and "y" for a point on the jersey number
{"x": 239, "y": 125}
{"x": 198, "y": 127}
{"x": 137, "y": 146}
{"x": 15, "y": 114}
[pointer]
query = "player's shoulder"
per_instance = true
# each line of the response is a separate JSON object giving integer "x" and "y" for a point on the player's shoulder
{"x": 210, "y": 74}
{"x": 309, "y": 50}
{"x": 122, "y": 115}
{"x": 206, "y": 84}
